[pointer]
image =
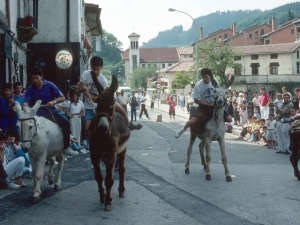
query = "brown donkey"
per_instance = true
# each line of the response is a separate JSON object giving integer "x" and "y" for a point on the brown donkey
{"x": 108, "y": 135}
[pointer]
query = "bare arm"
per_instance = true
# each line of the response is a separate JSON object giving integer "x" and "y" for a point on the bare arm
{"x": 198, "y": 101}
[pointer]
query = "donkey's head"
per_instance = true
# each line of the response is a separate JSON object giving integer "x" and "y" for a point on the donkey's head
{"x": 27, "y": 124}
{"x": 105, "y": 105}
{"x": 221, "y": 94}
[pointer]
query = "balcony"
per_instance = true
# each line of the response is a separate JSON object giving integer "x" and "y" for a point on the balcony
{"x": 251, "y": 79}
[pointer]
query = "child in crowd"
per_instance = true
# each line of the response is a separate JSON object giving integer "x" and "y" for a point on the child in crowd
{"x": 256, "y": 114}
{"x": 74, "y": 144}
{"x": 172, "y": 105}
{"x": 243, "y": 116}
{"x": 152, "y": 103}
{"x": 263, "y": 137}
{"x": 271, "y": 123}
{"x": 134, "y": 105}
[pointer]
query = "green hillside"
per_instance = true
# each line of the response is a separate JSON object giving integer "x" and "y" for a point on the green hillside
{"x": 222, "y": 20}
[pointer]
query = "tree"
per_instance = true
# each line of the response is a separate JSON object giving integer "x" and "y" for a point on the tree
{"x": 290, "y": 16}
{"x": 138, "y": 78}
{"x": 182, "y": 79}
{"x": 218, "y": 58}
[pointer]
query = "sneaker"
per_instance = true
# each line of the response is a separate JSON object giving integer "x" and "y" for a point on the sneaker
{"x": 239, "y": 138}
{"x": 287, "y": 152}
{"x": 179, "y": 132}
{"x": 134, "y": 126}
{"x": 265, "y": 145}
{"x": 70, "y": 152}
{"x": 13, "y": 186}
{"x": 83, "y": 143}
{"x": 280, "y": 152}
{"x": 83, "y": 151}
{"x": 269, "y": 147}
{"x": 250, "y": 140}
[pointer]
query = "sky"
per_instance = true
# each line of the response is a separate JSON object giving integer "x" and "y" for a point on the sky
{"x": 148, "y": 17}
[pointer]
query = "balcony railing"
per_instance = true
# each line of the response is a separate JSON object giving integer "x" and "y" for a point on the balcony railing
{"x": 243, "y": 79}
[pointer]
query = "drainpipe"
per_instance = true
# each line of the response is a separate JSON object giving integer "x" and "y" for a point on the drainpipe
{"x": 8, "y": 19}
{"x": 67, "y": 74}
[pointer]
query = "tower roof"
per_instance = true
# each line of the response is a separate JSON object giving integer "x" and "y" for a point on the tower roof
{"x": 134, "y": 35}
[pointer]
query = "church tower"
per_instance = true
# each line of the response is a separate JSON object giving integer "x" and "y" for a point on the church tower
{"x": 134, "y": 51}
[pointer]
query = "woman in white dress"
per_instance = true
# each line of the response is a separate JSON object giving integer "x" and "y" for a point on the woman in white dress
{"x": 75, "y": 112}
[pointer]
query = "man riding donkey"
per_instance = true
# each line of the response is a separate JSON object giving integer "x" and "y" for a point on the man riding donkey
{"x": 88, "y": 88}
{"x": 204, "y": 96}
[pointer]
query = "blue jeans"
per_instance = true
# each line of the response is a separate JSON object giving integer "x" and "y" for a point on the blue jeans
{"x": 76, "y": 146}
{"x": 133, "y": 112}
{"x": 64, "y": 123}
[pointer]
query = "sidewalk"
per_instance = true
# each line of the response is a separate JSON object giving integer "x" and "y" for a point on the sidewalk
{"x": 164, "y": 108}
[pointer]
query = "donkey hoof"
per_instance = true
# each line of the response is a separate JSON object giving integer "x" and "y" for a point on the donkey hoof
{"x": 187, "y": 170}
{"x": 50, "y": 182}
{"x": 102, "y": 199}
{"x": 56, "y": 187}
{"x": 107, "y": 208}
{"x": 228, "y": 178}
{"x": 208, "y": 177}
{"x": 121, "y": 194}
{"x": 35, "y": 200}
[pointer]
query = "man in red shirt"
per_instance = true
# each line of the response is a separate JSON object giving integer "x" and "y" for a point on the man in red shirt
{"x": 264, "y": 102}
{"x": 172, "y": 105}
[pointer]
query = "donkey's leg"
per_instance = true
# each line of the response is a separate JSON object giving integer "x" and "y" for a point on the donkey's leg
{"x": 38, "y": 178}
{"x": 98, "y": 176}
{"x": 109, "y": 182}
{"x": 208, "y": 158}
{"x": 221, "y": 141}
{"x": 189, "y": 152}
{"x": 50, "y": 172}
{"x": 122, "y": 170}
{"x": 201, "y": 149}
{"x": 60, "y": 166}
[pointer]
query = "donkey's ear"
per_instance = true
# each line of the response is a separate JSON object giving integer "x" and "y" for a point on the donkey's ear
{"x": 214, "y": 83}
{"x": 114, "y": 85}
{"x": 230, "y": 82}
{"x": 19, "y": 109}
{"x": 36, "y": 107}
{"x": 96, "y": 82}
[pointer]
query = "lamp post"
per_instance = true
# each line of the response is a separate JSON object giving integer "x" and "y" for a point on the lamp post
{"x": 158, "y": 89}
{"x": 173, "y": 10}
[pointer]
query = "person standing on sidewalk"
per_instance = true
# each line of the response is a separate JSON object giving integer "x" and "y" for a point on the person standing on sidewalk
{"x": 143, "y": 106}
{"x": 172, "y": 105}
{"x": 282, "y": 129}
{"x": 264, "y": 102}
{"x": 138, "y": 99}
{"x": 123, "y": 100}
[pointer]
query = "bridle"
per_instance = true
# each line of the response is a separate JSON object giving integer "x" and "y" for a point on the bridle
{"x": 216, "y": 99}
{"x": 21, "y": 135}
{"x": 109, "y": 117}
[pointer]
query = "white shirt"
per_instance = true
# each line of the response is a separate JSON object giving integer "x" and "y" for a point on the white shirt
{"x": 138, "y": 96}
{"x": 86, "y": 76}
{"x": 256, "y": 101}
{"x": 181, "y": 97}
{"x": 204, "y": 92}
{"x": 123, "y": 100}
{"x": 142, "y": 100}
{"x": 279, "y": 102}
{"x": 271, "y": 124}
{"x": 74, "y": 109}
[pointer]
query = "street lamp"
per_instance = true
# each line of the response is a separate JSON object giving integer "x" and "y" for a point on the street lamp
{"x": 173, "y": 10}
{"x": 158, "y": 90}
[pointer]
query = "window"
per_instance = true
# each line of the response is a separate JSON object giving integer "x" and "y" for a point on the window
{"x": 220, "y": 38}
{"x": 250, "y": 36}
{"x": 256, "y": 35}
{"x": 163, "y": 65}
{"x": 274, "y": 68}
{"x": 238, "y": 71}
{"x": 253, "y": 57}
{"x": 256, "y": 43}
{"x": 297, "y": 54}
{"x": 298, "y": 67}
{"x": 215, "y": 40}
{"x": 274, "y": 56}
{"x": 185, "y": 56}
{"x": 225, "y": 36}
{"x": 254, "y": 68}
{"x": 237, "y": 58}
{"x": 149, "y": 65}
{"x": 267, "y": 42}
{"x": 292, "y": 31}
{"x": 170, "y": 64}
{"x": 134, "y": 61}
{"x": 272, "y": 94}
{"x": 262, "y": 32}
{"x": 143, "y": 65}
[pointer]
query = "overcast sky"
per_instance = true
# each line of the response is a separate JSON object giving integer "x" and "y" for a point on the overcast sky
{"x": 148, "y": 17}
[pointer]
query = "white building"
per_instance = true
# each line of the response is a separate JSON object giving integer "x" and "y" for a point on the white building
{"x": 161, "y": 58}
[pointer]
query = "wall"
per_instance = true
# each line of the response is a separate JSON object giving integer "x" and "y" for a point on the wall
{"x": 217, "y": 35}
{"x": 284, "y": 35}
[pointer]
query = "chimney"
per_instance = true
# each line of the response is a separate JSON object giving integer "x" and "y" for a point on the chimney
{"x": 201, "y": 33}
{"x": 273, "y": 24}
{"x": 234, "y": 29}
{"x": 269, "y": 22}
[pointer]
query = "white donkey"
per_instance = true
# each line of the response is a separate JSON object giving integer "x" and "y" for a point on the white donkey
{"x": 43, "y": 139}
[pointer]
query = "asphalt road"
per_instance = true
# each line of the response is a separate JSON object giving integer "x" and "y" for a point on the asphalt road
{"x": 159, "y": 192}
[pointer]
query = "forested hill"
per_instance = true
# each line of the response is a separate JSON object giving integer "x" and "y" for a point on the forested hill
{"x": 222, "y": 20}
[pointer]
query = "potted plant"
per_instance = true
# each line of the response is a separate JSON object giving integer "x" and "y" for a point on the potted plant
{"x": 28, "y": 21}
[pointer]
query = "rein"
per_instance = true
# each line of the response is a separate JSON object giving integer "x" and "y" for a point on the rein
{"x": 22, "y": 120}
{"x": 109, "y": 117}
